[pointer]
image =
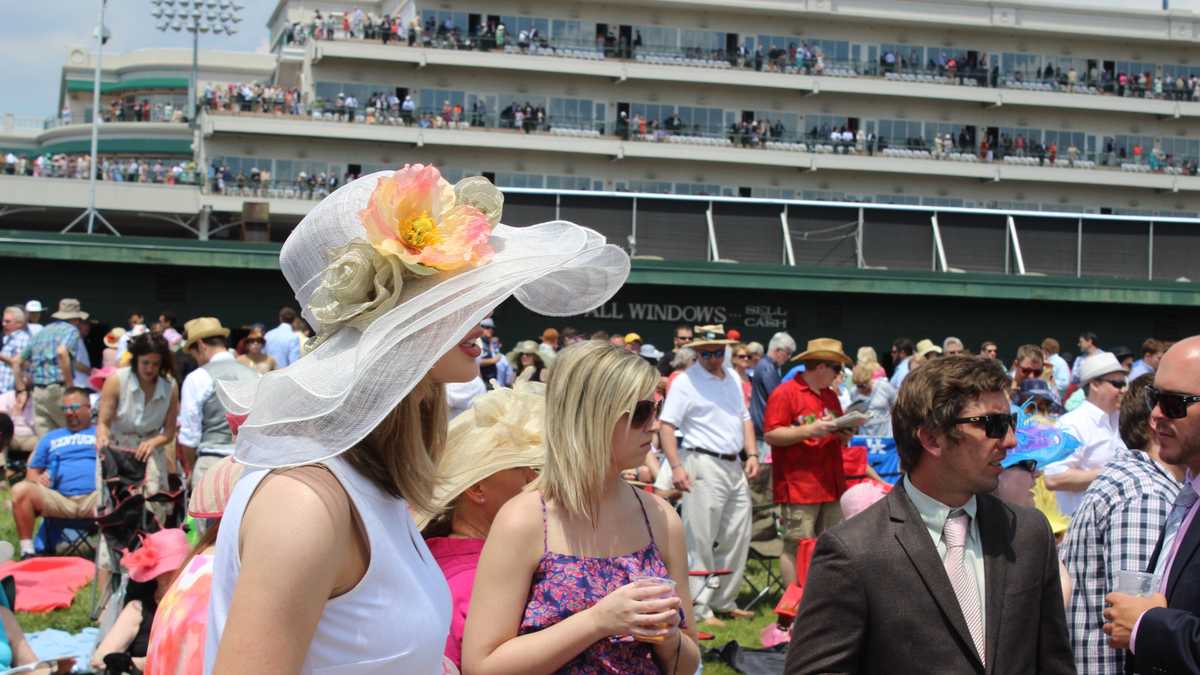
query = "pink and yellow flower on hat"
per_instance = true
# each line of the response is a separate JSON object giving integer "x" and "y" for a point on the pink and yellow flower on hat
{"x": 417, "y": 216}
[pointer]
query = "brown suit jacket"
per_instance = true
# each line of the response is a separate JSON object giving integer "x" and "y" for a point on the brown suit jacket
{"x": 878, "y": 600}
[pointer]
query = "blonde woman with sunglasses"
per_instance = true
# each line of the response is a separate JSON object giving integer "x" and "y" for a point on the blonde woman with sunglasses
{"x": 586, "y": 574}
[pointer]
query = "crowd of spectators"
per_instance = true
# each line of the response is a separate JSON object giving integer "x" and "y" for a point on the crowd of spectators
{"x": 116, "y": 168}
{"x": 976, "y": 68}
{"x": 253, "y": 97}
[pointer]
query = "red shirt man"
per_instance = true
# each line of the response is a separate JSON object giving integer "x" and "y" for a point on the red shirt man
{"x": 806, "y": 448}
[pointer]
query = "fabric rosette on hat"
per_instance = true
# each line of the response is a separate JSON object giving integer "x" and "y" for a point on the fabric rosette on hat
{"x": 392, "y": 271}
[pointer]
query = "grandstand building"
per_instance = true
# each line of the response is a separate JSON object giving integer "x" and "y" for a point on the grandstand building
{"x": 844, "y": 161}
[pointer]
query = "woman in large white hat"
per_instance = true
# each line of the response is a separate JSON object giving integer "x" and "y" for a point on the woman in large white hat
{"x": 320, "y": 567}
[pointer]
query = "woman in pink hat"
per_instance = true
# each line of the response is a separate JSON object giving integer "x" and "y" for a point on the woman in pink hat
{"x": 151, "y": 570}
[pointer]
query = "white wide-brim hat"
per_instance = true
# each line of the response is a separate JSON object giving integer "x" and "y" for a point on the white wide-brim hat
{"x": 333, "y": 396}
{"x": 1099, "y": 364}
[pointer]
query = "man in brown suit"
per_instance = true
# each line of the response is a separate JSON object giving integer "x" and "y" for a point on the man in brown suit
{"x": 939, "y": 576}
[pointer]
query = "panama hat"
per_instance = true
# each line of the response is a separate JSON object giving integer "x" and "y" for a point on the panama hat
{"x": 392, "y": 270}
{"x": 503, "y": 429}
{"x": 202, "y": 328}
{"x": 1099, "y": 364}
{"x": 68, "y": 308}
{"x": 824, "y": 349}
{"x": 709, "y": 336}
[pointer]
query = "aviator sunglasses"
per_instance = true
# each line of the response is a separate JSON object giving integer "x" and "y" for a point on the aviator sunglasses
{"x": 643, "y": 411}
{"x": 1174, "y": 406}
{"x": 995, "y": 425}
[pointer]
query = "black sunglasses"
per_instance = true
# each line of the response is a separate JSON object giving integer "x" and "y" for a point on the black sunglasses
{"x": 995, "y": 425}
{"x": 643, "y": 411}
{"x": 1029, "y": 465}
{"x": 1173, "y": 406}
{"x": 1119, "y": 384}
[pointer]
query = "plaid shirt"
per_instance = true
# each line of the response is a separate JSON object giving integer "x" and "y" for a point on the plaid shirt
{"x": 1115, "y": 528}
{"x": 14, "y": 344}
{"x": 41, "y": 354}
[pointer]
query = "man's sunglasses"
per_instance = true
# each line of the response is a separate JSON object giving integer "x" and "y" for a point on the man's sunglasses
{"x": 1032, "y": 372}
{"x": 995, "y": 425}
{"x": 643, "y": 411}
{"x": 719, "y": 354}
{"x": 1173, "y": 406}
{"x": 1118, "y": 384}
{"x": 71, "y": 407}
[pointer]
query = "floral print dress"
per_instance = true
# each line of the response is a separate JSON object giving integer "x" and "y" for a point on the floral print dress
{"x": 565, "y": 584}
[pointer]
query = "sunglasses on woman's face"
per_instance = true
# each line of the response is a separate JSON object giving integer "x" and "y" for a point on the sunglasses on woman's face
{"x": 995, "y": 425}
{"x": 1029, "y": 465}
{"x": 643, "y": 411}
{"x": 1174, "y": 406}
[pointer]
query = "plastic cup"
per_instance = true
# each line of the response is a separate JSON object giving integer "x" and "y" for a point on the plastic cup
{"x": 670, "y": 593}
{"x": 1135, "y": 583}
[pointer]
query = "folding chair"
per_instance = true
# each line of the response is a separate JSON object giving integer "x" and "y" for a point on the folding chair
{"x": 763, "y": 559}
{"x": 67, "y": 537}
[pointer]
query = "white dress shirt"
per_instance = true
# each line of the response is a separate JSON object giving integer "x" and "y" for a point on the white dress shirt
{"x": 1100, "y": 437}
{"x": 709, "y": 411}
{"x": 197, "y": 387}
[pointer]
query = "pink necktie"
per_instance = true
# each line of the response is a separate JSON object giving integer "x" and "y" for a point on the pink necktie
{"x": 954, "y": 534}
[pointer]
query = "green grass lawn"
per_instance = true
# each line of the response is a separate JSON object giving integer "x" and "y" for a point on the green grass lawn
{"x": 744, "y": 631}
{"x": 72, "y": 619}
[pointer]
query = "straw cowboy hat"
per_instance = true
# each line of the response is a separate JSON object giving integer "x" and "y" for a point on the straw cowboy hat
{"x": 926, "y": 346}
{"x": 201, "y": 328}
{"x": 68, "y": 308}
{"x": 392, "y": 271}
{"x": 503, "y": 429}
{"x": 824, "y": 349}
{"x": 709, "y": 336}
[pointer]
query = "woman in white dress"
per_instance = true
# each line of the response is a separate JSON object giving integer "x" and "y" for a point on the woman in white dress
{"x": 319, "y": 566}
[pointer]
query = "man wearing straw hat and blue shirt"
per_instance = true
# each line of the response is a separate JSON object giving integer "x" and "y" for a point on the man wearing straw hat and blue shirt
{"x": 706, "y": 404}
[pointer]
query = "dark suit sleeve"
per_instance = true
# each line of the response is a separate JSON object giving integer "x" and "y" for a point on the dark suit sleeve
{"x": 1168, "y": 641}
{"x": 829, "y": 630}
{"x": 1054, "y": 643}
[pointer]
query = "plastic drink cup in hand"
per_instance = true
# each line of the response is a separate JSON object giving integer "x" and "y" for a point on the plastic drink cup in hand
{"x": 668, "y": 584}
{"x": 1135, "y": 583}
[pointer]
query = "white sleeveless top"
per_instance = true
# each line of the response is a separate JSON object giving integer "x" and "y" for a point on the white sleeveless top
{"x": 394, "y": 621}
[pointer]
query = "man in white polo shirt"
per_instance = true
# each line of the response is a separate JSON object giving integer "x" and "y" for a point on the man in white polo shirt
{"x": 706, "y": 404}
{"x": 1095, "y": 424}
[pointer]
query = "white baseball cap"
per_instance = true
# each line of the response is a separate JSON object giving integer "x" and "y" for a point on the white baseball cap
{"x": 34, "y": 306}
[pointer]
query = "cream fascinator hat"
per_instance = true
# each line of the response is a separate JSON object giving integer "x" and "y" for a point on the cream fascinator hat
{"x": 392, "y": 271}
{"x": 503, "y": 429}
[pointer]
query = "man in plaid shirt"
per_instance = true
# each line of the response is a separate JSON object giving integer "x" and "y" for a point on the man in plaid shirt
{"x": 14, "y": 341}
{"x": 1115, "y": 528}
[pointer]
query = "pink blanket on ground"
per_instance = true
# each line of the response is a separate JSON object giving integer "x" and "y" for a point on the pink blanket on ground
{"x": 46, "y": 584}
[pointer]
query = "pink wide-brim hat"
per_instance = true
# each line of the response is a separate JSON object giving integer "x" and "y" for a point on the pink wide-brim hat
{"x": 161, "y": 552}
{"x": 99, "y": 376}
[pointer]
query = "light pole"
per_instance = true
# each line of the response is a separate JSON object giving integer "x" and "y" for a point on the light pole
{"x": 91, "y": 213}
{"x": 196, "y": 17}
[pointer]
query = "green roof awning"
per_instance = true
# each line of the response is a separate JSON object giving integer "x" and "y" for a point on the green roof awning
{"x": 264, "y": 256}
{"x": 145, "y": 146}
{"x": 130, "y": 85}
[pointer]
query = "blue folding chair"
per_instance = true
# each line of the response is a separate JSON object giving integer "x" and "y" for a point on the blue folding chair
{"x": 75, "y": 534}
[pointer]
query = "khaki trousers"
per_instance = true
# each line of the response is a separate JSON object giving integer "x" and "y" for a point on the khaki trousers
{"x": 716, "y": 525}
{"x": 47, "y": 409}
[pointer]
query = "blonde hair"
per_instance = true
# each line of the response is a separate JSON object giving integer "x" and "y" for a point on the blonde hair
{"x": 400, "y": 455}
{"x": 594, "y": 384}
{"x": 867, "y": 355}
{"x": 863, "y": 373}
